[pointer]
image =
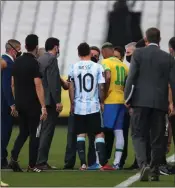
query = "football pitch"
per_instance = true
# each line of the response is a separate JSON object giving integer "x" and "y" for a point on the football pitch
{"x": 75, "y": 178}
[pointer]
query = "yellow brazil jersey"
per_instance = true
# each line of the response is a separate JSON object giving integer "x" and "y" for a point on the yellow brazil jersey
{"x": 119, "y": 72}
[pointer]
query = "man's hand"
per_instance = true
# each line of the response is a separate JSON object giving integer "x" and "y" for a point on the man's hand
{"x": 127, "y": 105}
{"x": 130, "y": 111}
{"x": 43, "y": 114}
{"x": 14, "y": 112}
{"x": 171, "y": 110}
{"x": 102, "y": 107}
{"x": 59, "y": 107}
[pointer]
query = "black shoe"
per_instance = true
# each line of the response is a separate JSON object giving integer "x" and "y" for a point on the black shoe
{"x": 164, "y": 170}
{"x": 34, "y": 169}
{"x": 5, "y": 167}
{"x": 15, "y": 166}
{"x": 4, "y": 164}
{"x": 144, "y": 174}
{"x": 154, "y": 178}
{"x": 46, "y": 166}
{"x": 68, "y": 168}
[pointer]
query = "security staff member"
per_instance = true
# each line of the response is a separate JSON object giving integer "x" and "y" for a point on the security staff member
{"x": 29, "y": 100}
{"x": 13, "y": 48}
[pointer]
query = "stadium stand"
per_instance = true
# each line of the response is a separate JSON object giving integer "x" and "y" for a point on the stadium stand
{"x": 76, "y": 21}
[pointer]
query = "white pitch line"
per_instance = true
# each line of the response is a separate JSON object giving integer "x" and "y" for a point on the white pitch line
{"x": 135, "y": 178}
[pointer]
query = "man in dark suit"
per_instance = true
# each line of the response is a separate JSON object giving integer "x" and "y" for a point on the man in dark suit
{"x": 52, "y": 88}
{"x": 150, "y": 73}
{"x": 13, "y": 48}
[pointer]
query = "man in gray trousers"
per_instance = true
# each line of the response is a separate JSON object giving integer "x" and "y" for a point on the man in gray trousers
{"x": 52, "y": 88}
{"x": 151, "y": 71}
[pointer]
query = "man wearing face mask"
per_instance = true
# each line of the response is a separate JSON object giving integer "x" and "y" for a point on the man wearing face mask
{"x": 13, "y": 48}
{"x": 95, "y": 53}
{"x": 130, "y": 50}
{"x": 52, "y": 87}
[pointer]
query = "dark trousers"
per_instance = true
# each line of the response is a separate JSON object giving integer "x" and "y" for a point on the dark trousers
{"x": 47, "y": 132}
{"x": 71, "y": 148}
{"x": 145, "y": 122}
{"x": 6, "y": 130}
{"x": 109, "y": 141}
{"x": 125, "y": 135}
{"x": 28, "y": 123}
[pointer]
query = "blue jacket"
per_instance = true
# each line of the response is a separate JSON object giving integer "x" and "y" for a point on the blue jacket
{"x": 6, "y": 76}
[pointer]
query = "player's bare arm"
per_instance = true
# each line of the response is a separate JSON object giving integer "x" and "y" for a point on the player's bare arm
{"x": 71, "y": 95}
{"x": 40, "y": 94}
{"x": 108, "y": 81}
{"x": 64, "y": 84}
{"x": 102, "y": 95}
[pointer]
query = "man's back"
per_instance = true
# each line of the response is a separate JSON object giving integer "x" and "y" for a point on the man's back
{"x": 25, "y": 69}
{"x": 152, "y": 73}
{"x": 119, "y": 72}
{"x": 87, "y": 75}
{"x": 50, "y": 78}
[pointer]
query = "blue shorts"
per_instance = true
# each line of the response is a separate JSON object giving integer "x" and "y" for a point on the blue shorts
{"x": 113, "y": 116}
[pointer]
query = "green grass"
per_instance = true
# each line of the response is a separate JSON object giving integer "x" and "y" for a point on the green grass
{"x": 165, "y": 181}
{"x": 67, "y": 178}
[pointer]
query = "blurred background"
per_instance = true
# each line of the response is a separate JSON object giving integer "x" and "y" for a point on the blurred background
{"x": 95, "y": 22}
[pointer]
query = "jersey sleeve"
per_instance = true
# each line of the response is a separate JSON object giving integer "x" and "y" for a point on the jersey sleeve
{"x": 35, "y": 70}
{"x": 101, "y": 77}
{"x": 105, "y": 65}
{"x": 71, "y": 73}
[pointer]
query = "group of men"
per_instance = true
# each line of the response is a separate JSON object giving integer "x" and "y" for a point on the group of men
{"x": 103, "y": 97}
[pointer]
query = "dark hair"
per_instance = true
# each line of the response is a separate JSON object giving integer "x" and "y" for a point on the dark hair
{"x": 172, "y": 43}
{"x": 83, "y": 49}
{"x": 120, "y": 50}
{"x": 95, "y": 48}
{"x": 50, "y": 43}
{"x": 140, "y": 43}
{"x": 153, "y": 35}
{"x": 107, "y": 45}
{"x": 31, "y": 42}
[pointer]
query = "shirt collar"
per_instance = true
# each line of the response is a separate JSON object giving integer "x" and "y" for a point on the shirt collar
{"x": 9, "y": 56}
{"x": 153, "y": 44}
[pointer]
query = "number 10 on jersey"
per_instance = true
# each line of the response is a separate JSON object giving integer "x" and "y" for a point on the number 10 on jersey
{"x": 83, "y": 84}
{"x": 121, "y": 74}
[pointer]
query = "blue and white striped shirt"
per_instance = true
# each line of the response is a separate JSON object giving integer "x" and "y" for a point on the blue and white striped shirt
{"x": 86, "y": 76}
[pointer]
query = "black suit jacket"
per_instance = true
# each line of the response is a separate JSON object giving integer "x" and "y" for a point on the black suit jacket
{"x": 151, "y": 71}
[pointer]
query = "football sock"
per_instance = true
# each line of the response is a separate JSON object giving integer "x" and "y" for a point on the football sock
{"x": 100, "y": 148}
{"x": 97, "y": 158}
{"x": 119, "y": 145}
{"x": 81, "y": 149}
